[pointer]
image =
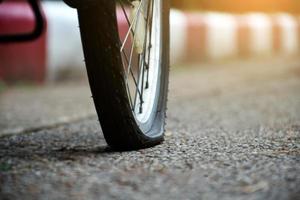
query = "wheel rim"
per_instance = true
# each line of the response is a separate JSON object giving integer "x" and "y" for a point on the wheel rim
{"x": 140, "y": 42}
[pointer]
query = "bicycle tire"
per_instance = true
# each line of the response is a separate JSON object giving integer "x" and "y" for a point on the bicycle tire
{"x": 101, "y": 45}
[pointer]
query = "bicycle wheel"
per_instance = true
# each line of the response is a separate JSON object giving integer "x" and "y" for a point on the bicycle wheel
{"x": 128, "y": 68}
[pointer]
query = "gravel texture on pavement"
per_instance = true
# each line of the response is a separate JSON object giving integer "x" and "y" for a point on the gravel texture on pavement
{"x": 28, "y": 108}
{"x": 233, "y": 133}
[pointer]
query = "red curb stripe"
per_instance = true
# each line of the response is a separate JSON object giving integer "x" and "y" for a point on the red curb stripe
{"x": 196, "y": 37}
{"x": 277, "y": 35}
{"x": 243, "y": 37}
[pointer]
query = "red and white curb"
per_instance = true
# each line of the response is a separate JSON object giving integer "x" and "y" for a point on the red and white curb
{"x": 215, "y": 36}
{"x": 195, "y": 37}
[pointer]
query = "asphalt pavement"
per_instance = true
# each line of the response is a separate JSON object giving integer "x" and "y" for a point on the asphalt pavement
{"x": 233, "y": 132}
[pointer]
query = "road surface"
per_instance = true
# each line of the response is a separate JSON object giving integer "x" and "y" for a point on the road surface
{"x": 233, "y": 133}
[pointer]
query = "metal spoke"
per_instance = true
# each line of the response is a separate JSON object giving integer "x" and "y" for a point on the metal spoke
{"x": 137, "y": 90}
{"x": 149, "y": 47}
{"x": 137, "y": 64}
{"x": 131, "y": 55}
{"x": 131, "y": 25}
{"x": 127, "y": 85}
{"x": 126, "y": 16}
{"x": 144, "y": 64}
{"x": 129, "y": 63}
{"x": 131, "y": 72}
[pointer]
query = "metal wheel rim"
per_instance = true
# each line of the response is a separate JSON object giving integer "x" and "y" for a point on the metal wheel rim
{"x": 144, "y": 99}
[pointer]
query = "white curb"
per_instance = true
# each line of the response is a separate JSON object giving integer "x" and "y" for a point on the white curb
{"x": 221, "y": 37}
{"x": 260, "y": 38}
{"x": 178, "y": 39}
{"x": 64, "y": 44}
{"x": 288, "y": 25}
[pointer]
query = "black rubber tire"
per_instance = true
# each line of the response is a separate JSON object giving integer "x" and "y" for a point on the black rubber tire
{"x": 100, "y": 40}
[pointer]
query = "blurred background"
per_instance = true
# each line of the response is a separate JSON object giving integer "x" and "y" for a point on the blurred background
{"x": 201, "y": 31}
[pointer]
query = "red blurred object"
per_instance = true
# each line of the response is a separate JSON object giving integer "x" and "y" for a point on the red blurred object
{"x": 198, "y": 33}
{"x": 244, "y": 37}
{"x": 21, "y": 61}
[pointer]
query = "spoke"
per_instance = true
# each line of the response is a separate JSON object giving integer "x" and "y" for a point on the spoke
{"x": 130, "y": 60}
{"x": 131, "y": 72}
{"x": 130, "y": 57}
{"x": 126, "y": 81}
{"x": 140, "y": 79}
{"x": 149, "y": 47}
{"x": 137, "y": 90}
{"x": 132, "y": 47}
{"x": 144, "y": 64}
{"x": 131, "y": 26}
{"x": 126, "y": 16}
{"x": 142, "y": 88}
